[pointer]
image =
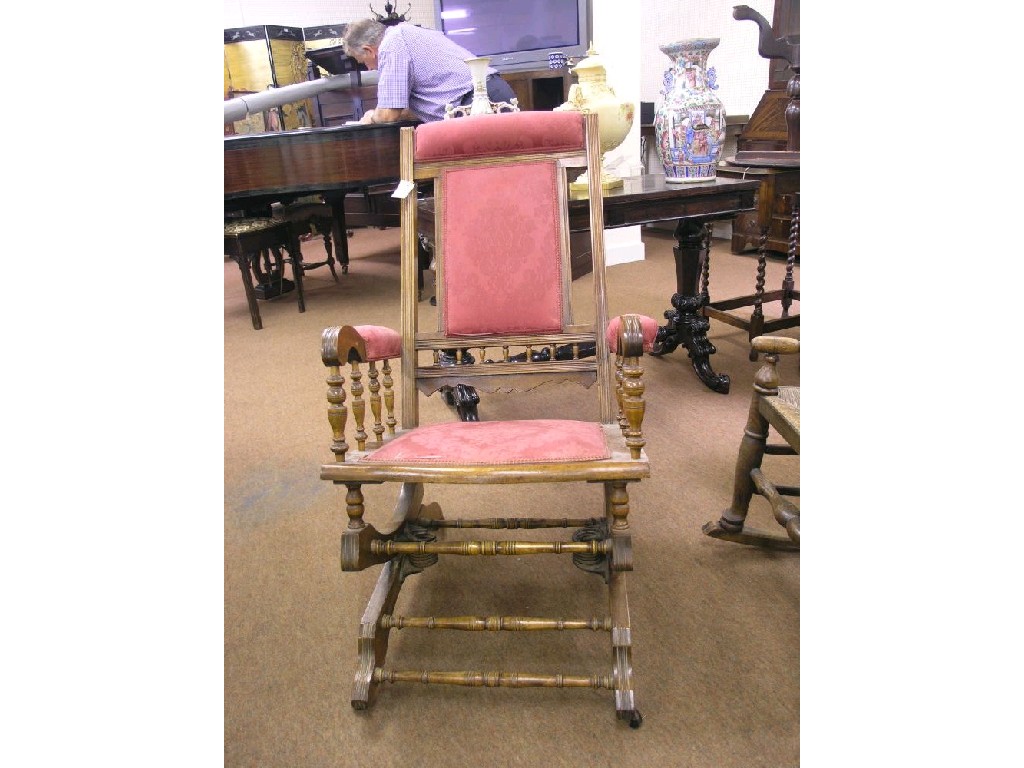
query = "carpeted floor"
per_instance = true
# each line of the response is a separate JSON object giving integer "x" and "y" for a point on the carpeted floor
{"x": 715, "y": 625}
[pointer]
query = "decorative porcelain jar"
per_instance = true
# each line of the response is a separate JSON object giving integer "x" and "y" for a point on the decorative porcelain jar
{"x": 614, "y": 116}
{"x": 689, "y": 120}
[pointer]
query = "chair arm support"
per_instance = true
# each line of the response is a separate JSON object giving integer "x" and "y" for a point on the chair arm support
{"x": 355, "y": 345}
{"x": 766, "y": 380}
{"x": 629, "y": 389}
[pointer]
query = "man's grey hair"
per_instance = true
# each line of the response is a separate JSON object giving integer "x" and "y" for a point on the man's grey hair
{"x": 363, "y": 32}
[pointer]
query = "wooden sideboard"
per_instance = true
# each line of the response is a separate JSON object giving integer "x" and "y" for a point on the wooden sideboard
{"x": 774, "y": 207}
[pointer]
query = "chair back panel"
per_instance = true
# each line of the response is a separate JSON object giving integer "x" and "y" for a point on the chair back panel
{"x": 500, "y": 276}
{"x": 501, "y": 246}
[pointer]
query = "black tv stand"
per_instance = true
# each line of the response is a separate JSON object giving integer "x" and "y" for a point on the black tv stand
{"x": 539, "y": 89}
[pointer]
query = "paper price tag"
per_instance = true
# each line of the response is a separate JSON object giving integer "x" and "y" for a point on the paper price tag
{"x": 403, "y": 189}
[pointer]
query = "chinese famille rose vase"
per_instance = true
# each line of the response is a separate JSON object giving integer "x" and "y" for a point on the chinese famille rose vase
{"x": 689, "y": 120}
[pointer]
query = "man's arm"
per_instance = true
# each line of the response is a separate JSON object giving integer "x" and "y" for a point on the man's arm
{"x": 387, "y": 115}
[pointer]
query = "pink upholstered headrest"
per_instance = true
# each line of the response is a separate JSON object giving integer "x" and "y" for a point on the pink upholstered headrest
{"x": 505, "y": 133}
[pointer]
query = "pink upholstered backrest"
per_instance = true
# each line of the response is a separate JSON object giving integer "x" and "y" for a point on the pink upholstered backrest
{"x": 506, "y": 133}
{"x": 502, "y": 262}
{"x": 501, "y": 225}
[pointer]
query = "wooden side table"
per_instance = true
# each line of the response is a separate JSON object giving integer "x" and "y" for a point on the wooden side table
{"x": 775, "y": 199}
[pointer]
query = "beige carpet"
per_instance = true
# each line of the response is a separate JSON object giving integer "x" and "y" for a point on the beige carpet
{"x": 716, "y": 625}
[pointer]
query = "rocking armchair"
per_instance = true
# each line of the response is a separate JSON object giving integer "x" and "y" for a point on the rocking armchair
{"x": 504, "y": 307}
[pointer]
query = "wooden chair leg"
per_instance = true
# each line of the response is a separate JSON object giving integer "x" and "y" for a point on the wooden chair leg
{"x": 373, "y": 638}
{"x": 329, "y": 248}
{"x": 617, "y": 510}
{"x": 245, "y": 266}
{"x": 295, "y": 257}
{"x": 622, "y": 651}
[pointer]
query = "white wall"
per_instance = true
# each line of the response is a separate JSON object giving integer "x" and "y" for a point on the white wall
{"x": 742, "y": 74}
{"x": 314, "y": 13}
{"x": 616, "y": 37}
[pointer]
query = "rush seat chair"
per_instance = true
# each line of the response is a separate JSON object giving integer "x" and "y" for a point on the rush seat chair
{"x": 775, "y": 410}
{"x": 505, "y": 305}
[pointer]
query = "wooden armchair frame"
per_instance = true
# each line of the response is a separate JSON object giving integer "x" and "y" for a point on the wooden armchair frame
{"x": 501, "y": 361}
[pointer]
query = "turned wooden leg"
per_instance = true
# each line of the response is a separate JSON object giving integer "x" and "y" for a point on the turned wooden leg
{"x": 757, "y": 314}
{"x": 244, "y": 264}
{"x": 794, "y": 240}
{"x": 751, "y": 453}
{"x": 617, "y": 503}
{"x": 294, "y": 251}
{"x": 329, "y": 248}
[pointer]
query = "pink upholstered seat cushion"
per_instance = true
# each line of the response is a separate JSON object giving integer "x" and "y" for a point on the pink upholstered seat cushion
{"x": 504, "y": 133}
{"x": 382, "y": 343}
{"x": 648, "y": 325}
{"x": 537, "y": 441}
{"x": 502, "y": 250}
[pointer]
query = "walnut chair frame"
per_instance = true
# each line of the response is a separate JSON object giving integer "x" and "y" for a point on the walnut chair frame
{"x": 506, "y": 143}
{"x": 771, "y": 407}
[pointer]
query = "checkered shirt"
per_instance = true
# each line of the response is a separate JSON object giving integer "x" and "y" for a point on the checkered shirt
{"x": 421, "y": 69}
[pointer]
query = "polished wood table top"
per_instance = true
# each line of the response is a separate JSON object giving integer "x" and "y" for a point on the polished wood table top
{"x": 649, "y": 198}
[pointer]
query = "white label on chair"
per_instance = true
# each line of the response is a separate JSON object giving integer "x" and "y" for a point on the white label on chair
{"x": 403, "y": 189}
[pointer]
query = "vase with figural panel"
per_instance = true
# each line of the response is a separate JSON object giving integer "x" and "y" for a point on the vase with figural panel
{"x": 689, "y": 120}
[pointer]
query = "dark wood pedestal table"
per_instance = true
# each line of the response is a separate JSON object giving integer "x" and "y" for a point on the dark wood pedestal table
{"x": 649, "y": 198}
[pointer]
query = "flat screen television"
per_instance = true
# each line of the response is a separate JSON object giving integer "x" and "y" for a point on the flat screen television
{"x": 516, "y": 34}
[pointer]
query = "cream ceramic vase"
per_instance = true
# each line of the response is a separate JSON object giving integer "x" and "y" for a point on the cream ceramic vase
{"x": 478, "y": 69}
{"x": 614, "y": 116}
{"x": 481, "y": 104}
{"x": 689, "y": 120}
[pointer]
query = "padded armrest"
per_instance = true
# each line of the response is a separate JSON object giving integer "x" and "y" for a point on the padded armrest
{"x": 359, "y": 344}
{"x": 648, "y": 326}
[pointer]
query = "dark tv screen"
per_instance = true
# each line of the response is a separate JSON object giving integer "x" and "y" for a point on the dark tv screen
{"x": 496, "y": 27}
